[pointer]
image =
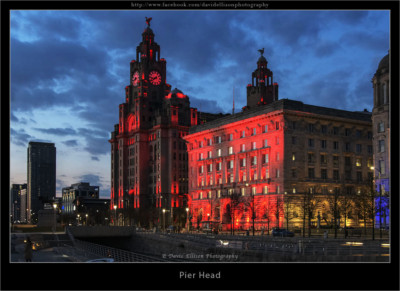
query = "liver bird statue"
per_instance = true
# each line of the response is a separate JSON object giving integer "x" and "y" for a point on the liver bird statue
{"x": 148, "y": 21}
{"x": 261, "y": 51}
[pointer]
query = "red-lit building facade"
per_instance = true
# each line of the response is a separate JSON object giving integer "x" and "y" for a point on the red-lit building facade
{"x": 148, "y": 155}
{"x": 272, "y": 150}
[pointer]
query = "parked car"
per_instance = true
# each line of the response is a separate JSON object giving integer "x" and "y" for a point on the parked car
{"x": 282, "y": 232}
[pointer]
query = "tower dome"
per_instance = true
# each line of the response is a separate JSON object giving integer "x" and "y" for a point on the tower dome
{"x": 384, "y": 63}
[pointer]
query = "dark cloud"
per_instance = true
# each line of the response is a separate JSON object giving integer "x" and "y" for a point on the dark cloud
{"x": 94, "y": 180}
{"x": 70, "y": 143}
{"x": 20, "y": 137}
{"x": 366, "y": 40}
{"x": 95, "y": 159}
{"x": 57, "y": 131}
{"x": 327, "y": 48}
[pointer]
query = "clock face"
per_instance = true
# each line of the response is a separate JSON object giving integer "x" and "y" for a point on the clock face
{"x": 135, "y": 78}
{"x": 155, "y": 78}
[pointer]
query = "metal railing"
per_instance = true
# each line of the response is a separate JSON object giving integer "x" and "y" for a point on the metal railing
{"x": 117, "y": 254}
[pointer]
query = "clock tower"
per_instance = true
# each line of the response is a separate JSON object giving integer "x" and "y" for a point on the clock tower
{"x": 262, "y": 89}
{"x": 148, "y": 153}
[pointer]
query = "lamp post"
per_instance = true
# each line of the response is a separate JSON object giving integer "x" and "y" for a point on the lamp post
{"x": 115, "y": 214}
{"x": 163, "y": 211}
{"x": 55, "y": 220}
{"x": 87, "y": 218}
{"x": 187, "y": 219}
{"x": 78, "y": 218}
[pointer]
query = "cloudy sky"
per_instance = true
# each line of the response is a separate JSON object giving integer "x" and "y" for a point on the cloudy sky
{"x": 69, "y": 70}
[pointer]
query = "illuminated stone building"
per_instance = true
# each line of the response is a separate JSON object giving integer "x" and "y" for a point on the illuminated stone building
{"x": 274, "y": 149}
{"x": 381, "y": 133}
{"x": 148, "y": 155}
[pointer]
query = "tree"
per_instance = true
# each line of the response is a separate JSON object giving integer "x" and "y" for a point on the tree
{"x": 278, "y": 209}
{"x": 235, "y": 205}
{"x": 309, "y": 205}
{"x": 289, "y": 209}
{"x": 267, "y": 211}
{"x": 250, "y": 205}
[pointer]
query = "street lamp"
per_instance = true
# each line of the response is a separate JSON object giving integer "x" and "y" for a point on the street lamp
{"x": 55, "y": 221}
{"x": 187, "y": 219}
{"x": 163, "y": 211}
{"x": 115, "y": 214}
{"x": 86, "y": 218}
{"x": 78, "y": 218}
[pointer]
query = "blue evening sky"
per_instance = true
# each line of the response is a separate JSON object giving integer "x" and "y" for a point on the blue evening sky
{"x": 69, "y": 70}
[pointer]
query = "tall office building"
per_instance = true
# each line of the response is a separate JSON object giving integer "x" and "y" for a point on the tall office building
{"x": 41, "y": 178}
{"x": 18, "y": 203}
{"x": 148, "y": 154}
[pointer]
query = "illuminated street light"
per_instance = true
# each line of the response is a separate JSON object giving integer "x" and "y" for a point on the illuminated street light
{"x": 86, "y": 218}
{"x": 115, "y": 214}
{"x": 55, "y": 221}
{"x": 187, "y": 219}
{"x": 163, "y": 211}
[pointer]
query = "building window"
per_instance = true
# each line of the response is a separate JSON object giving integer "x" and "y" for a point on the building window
{"x": 358, "y": 133}
{"x": 294, "y": 140}
{"x": 230, "y": 137}
{"x": 381, "y": 127}
{"x": 209, "y": 154}
{"x": 323, "y": 144}
{"x": 209, "y": 168}
{"x": 293, "y": 124}
{"x": 266, "y": 158}
{"x": 324, "y": 159}
{"x": 381, "y": 146}
{"x": 209, "y": 141}
{"x": 335, "y": 174}
{"x": 324, "y": 174}
{"x": 243, "y": 162}
{"x": 219, "y": 193}
{"x": 266, "y": 174}
{"x": 294, "y": 173}
{"x": 230, "y": 164}
{"x": 311, "y": 127}
{"x": 254, "y": 161}
{"x": 201, "y": 169}
{"x": 311, "y": 173}
{"x": 347, "y": 174}
{"x": 219, "y": 166}
{"x": 265, "y": 143}
{"x": 265, "y": 189}
{"x": 369, "y": 135}
{"x": 230, "y": 150}
{"x": 335, "y": 145}
{"x": 253, "y": 190}
{"x": 243, "y": 191}
{"x": 277, "y": 173}
{"x": 277, "y": 189}
{"x": 254, "y": 131}
{"x": 277, "y": 125}
{"x": 277, "y": 156}
{"x": 277, "y": 140}
{"x": 219, "y": 152}
{"x": 347, "y": 161}
{"x": 253, "y": 145}
{"x": 293, "y": 156}
{"x": 358, "y": 162}
{"x": 200, "y": 156}
{"x": 358, "y": 148}
{"x": 359, "y": 176}
{"x": 370, "y": 149}
{"x": 201, "y": 195}
{"x": 243, "y": 134}
{"x": 294, "y": 190}
{"x": 310, "y": 142}
{"x": 266, "y": 128}
{"x": 347, "y": 147}
{"x": 242, "y": 147}
{"x": 382, "y": 169}
{"x": 335, "y": 161}
{"x": 311, "y": 158}
{"x": 324, "y": 129}
{"x": 335, "y": 130}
